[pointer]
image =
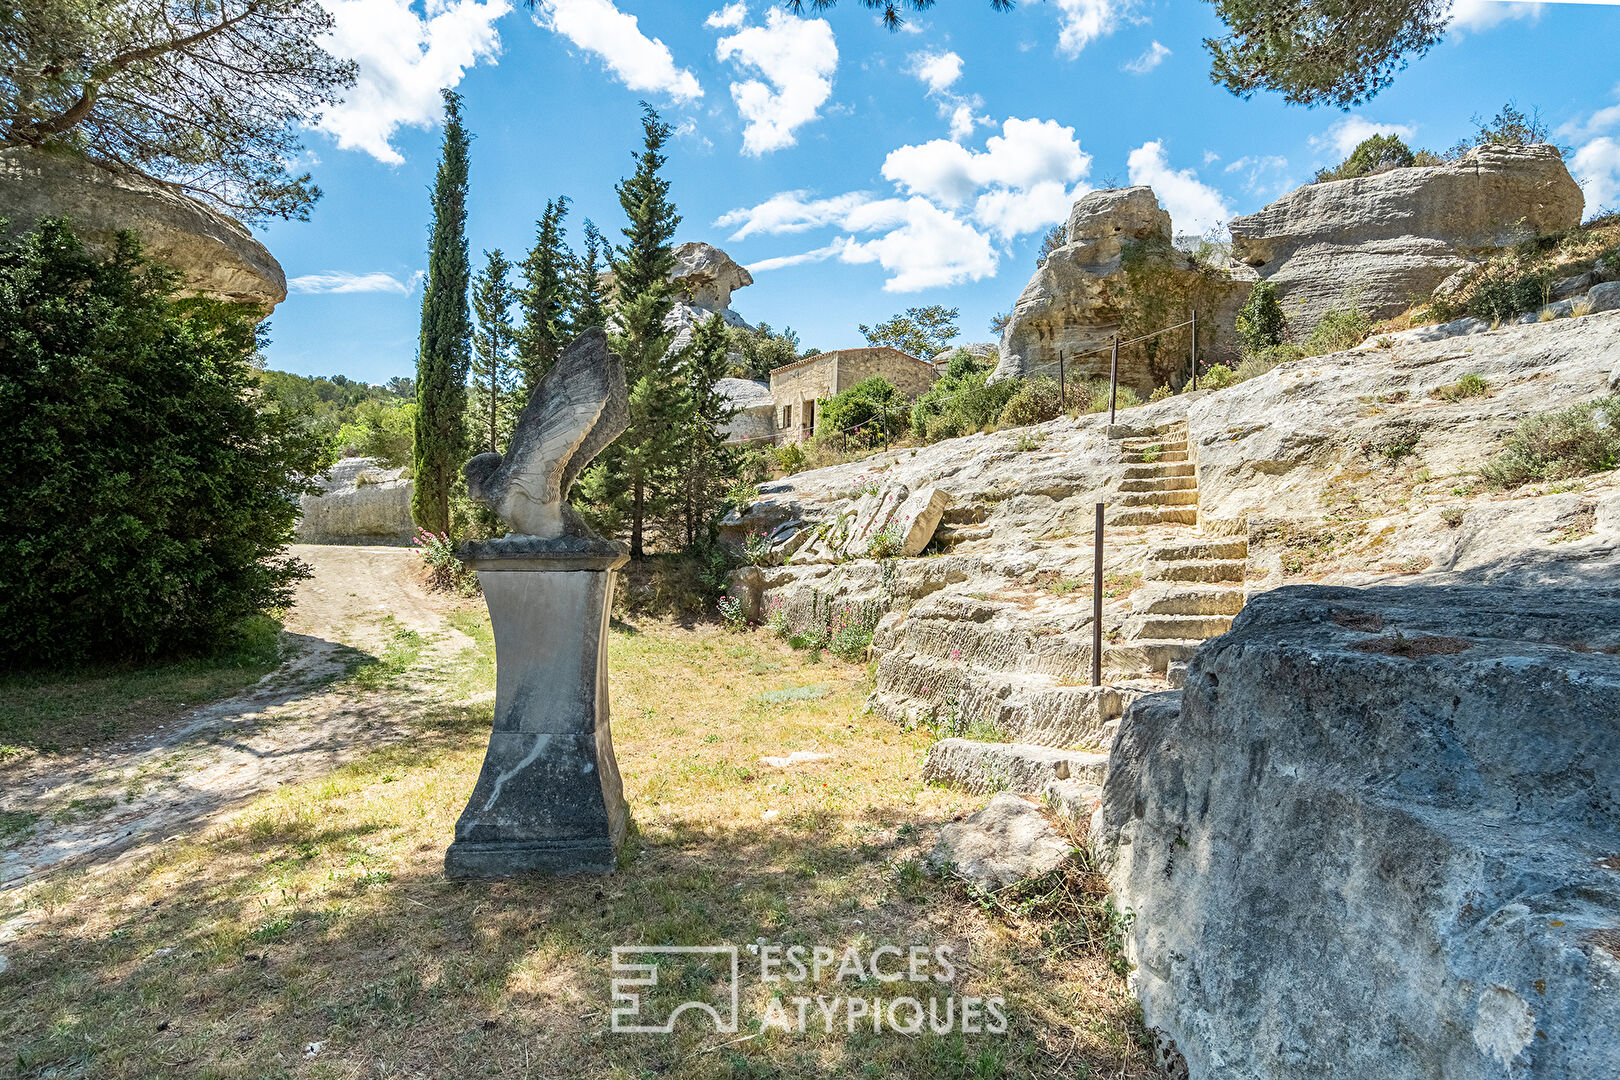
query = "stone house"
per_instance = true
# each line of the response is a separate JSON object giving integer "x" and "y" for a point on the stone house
{"x": 798, "y": 388}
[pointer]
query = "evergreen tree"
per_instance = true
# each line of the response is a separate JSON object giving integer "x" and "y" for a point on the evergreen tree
{"x": 545, "y": 296}
{"x": 494, "y": 376}
{"x": 589, "y": 302}
{"x": 707, "y": 465}
{"x": 635, "y": 474}
{"x": 444, "y": 354}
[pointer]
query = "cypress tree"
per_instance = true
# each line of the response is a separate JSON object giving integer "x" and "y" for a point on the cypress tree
{"x": 707, "y": 464}
{"x": 547, "y": 277}
{"x": 493, "y": 408}
{"x": 589, "y": 302}
{"x": 442, "y": 359}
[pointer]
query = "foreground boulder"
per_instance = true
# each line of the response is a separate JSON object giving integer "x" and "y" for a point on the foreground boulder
{"x": 1392, "y": 239}
{"x": 215, "y": 255}
{"x": 1380, "y": 838}
{"x": 1007, "y": 843}
{"x": 364, "y": 503}
{"x": 1117, "y": 255}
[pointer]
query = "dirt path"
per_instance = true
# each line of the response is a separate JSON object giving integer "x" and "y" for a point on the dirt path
{"x": 362, "y": 607}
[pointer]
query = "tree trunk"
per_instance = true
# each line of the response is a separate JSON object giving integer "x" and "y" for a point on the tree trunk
{"x": 637, "y": 506}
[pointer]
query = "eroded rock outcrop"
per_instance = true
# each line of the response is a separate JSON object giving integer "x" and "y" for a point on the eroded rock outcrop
{"x": 215, "y": 255}
{"x": 1118, "y": 255}
{"x": 1392, "y": 239}
{"x": 364, "y": 503}
{"x": 1381, "y": 837}
{"x": 706, "y": 278}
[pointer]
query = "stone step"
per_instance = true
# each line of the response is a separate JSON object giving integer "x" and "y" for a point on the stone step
{"x": 1185, "y": 497}
{"x": 1197, "y": 570}
{"x": 1038, "y": 710}
{"x": 1137, "y": 446}
{"x": 1141, "y": 458}
{"x": 1179, "y": 627}
{"x": 1201, "y": 547}
{"x": 981, "y": 767}
{"x": 1160, "y": 483}
{"x": 1187, "y": 599}
{"x": 1168, "y": 515}
{"x": 1143, "y": 656}
{"x": 1155, "y": 469}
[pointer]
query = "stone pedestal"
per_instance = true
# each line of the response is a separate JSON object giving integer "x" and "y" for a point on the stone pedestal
{"x": 549, "y": 796}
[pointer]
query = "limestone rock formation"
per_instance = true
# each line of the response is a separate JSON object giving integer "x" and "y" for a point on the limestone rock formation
{"x": 364, "y": 503}
{"x": 1007, "y": 843}
{"x": 1072, "y": 304}
{"x": 708, "y": 276}
{"x": 755, "y": 419}
{"x": 1392, "y": 239}
{"x": 215, "y": 255}
{"x": 988, "y": 352}
{"x": 1381, "y": 837}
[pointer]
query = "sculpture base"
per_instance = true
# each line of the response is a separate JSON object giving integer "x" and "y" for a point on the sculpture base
{"x": 548, "y": 797}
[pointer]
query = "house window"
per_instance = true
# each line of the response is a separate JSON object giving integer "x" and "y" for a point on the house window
{"x": 787, "y": 417}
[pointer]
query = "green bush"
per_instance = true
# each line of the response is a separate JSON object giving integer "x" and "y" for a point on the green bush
{"x": 1218, "y": 377}
{"x": 1035, "y": 401}
{"x": 789, "y": 457}
{"x": 381, "y": 430}
{"x": 1469, "y": 386}
{"x": 1261, "y": 323}
{"x": 1576, "y": 441}
{"x": 1376, "y": 154}
{"x": 1343, "y": 326}
{"x": 1092, "y": 397}
{"x": 1503, "y": 292}
{"x": 148, "y": 491}
{"x": 962, "y": 402}
{"x": 869, "y": 413}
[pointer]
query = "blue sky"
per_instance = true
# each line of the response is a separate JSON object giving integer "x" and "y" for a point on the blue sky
{"x": 857, "y": 171}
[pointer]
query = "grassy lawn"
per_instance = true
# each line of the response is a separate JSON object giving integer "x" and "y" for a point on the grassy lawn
{"x": 57, "y": 710}
{"x": 313, "y": 934}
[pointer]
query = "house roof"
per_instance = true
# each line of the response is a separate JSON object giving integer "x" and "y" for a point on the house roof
{"x": 807, "y": 361}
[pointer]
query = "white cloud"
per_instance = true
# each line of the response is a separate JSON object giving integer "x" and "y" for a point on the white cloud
{"x": 790, "y": 212}
{"x": 1351, "y": 131}
{"x": 636, "y": 60}
{"x": 797, "y": 58}
{"x": 1014, "y": 213}
{"x": 1026, "y": 153}
{"x": 1484, "y": 14}
{"x": 1152, "y": 58}
{"x": 1255, "y": 166}
{"x": 728, "y": 17}
{"x": 931, "y": 248}
{"x": 821, "y": 254}
{"x": 1080, "y": 22}
{"x": 404, "y": 59}
{"x": 937, "y": 71}
{"x": 1601, "y": 120}
{"x": 1194, "y": 206}
{"x": 342, "y": 281}
{"x": 1596, "y": 167}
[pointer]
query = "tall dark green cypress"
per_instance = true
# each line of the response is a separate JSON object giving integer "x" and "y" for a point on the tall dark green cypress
{"x": 494, "y": 407}
{"x": 589, "y": 301}
{"x": 445, "y": 351}
{"x": 707, "y": 466}
{"x": 545, "y": 296}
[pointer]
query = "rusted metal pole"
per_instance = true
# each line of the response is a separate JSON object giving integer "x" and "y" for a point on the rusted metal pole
{"x": 1195, "y": 347}
{"x": 1063, "y": 385}
{"x": 1096, "y": 601}
{"x": 1113, "y": 382}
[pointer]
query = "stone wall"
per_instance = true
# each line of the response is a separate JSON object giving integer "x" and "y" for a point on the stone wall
{"x": 794, "y": 386}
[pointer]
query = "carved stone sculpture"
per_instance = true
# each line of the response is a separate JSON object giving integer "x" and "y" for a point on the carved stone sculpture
{"x": 549, "y": 796}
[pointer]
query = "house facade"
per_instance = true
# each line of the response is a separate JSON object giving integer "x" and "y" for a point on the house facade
{"x": 798, "y": 389}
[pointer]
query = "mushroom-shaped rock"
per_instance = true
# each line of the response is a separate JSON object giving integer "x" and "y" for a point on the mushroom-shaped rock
{"x": 708, "y": 276}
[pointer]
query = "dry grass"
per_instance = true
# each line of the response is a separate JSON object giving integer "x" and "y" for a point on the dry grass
{"x": 319, "y": 914}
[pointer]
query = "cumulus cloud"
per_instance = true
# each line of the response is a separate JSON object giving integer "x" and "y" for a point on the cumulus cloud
{"x": 1255, "y": 168}
{"x": 937, "y": 71}
{"x": 1596, "y": 167}
{"x": 729, "y": 17}
{"x": 796, "y": 59}
{"x": 342, "y": 281}
{"x": 1014, "y": 213}
{"x": 404, "y": 58}
{"x": 1194, "y": 206}
{"x": 1484, "y": 14}
{"x": 1026, "y": 153}
{"x": 636, "y": 60}
{"x": 1600, "y": 121}
{"x": 1152, "y": 58}
{"x": 1080, "y": 22}
{"x": 930, "y": 248}
{"x": 790, "y": 212}
{"x": 1352, "y": 130}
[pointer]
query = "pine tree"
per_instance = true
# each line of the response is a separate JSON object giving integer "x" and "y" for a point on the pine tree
{"x": 440, "y": 435}
{"x": 707, "y": 465}
{"x": 494, "y": 376}
{"x": 635, "y": 475}
{"x": 589, "y": 301}
{"x": 544, "y": 297}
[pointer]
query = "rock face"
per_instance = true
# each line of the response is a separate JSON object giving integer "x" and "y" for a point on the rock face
{"x": 755, "y": 418}
{"x": 215, "y": 255}
{"x": 364, "y": 503}
{"x": 707, "y": 277}
{"x": 1072, "y": 304}
{"x": 1392, "y": 239}
{"x": 1381, "y": 837}
{"x": 1008, "y": 842}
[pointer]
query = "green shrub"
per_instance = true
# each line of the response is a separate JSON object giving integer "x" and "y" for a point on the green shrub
{"x": 789, "y": 457}
{"x": 1218, "y": 377}
{"x": 1503, "y": 292}
{"x": 1034, "y": 402}
{"x": 1373, "y": 155}
{"x": 381, "y": 430}
{"x": 1161, "y": 392}
{"x": 1261, "y": 323}
{"x": 1470, "y": 385}
{"x": 147, "y": 497}
{"x": 1343, "y": 326}
{"x": 869, "y": 413}
{"x": 962, "y": 403}
{"x": 1576, "y": 441}
{"x": 1093, "y": 396}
